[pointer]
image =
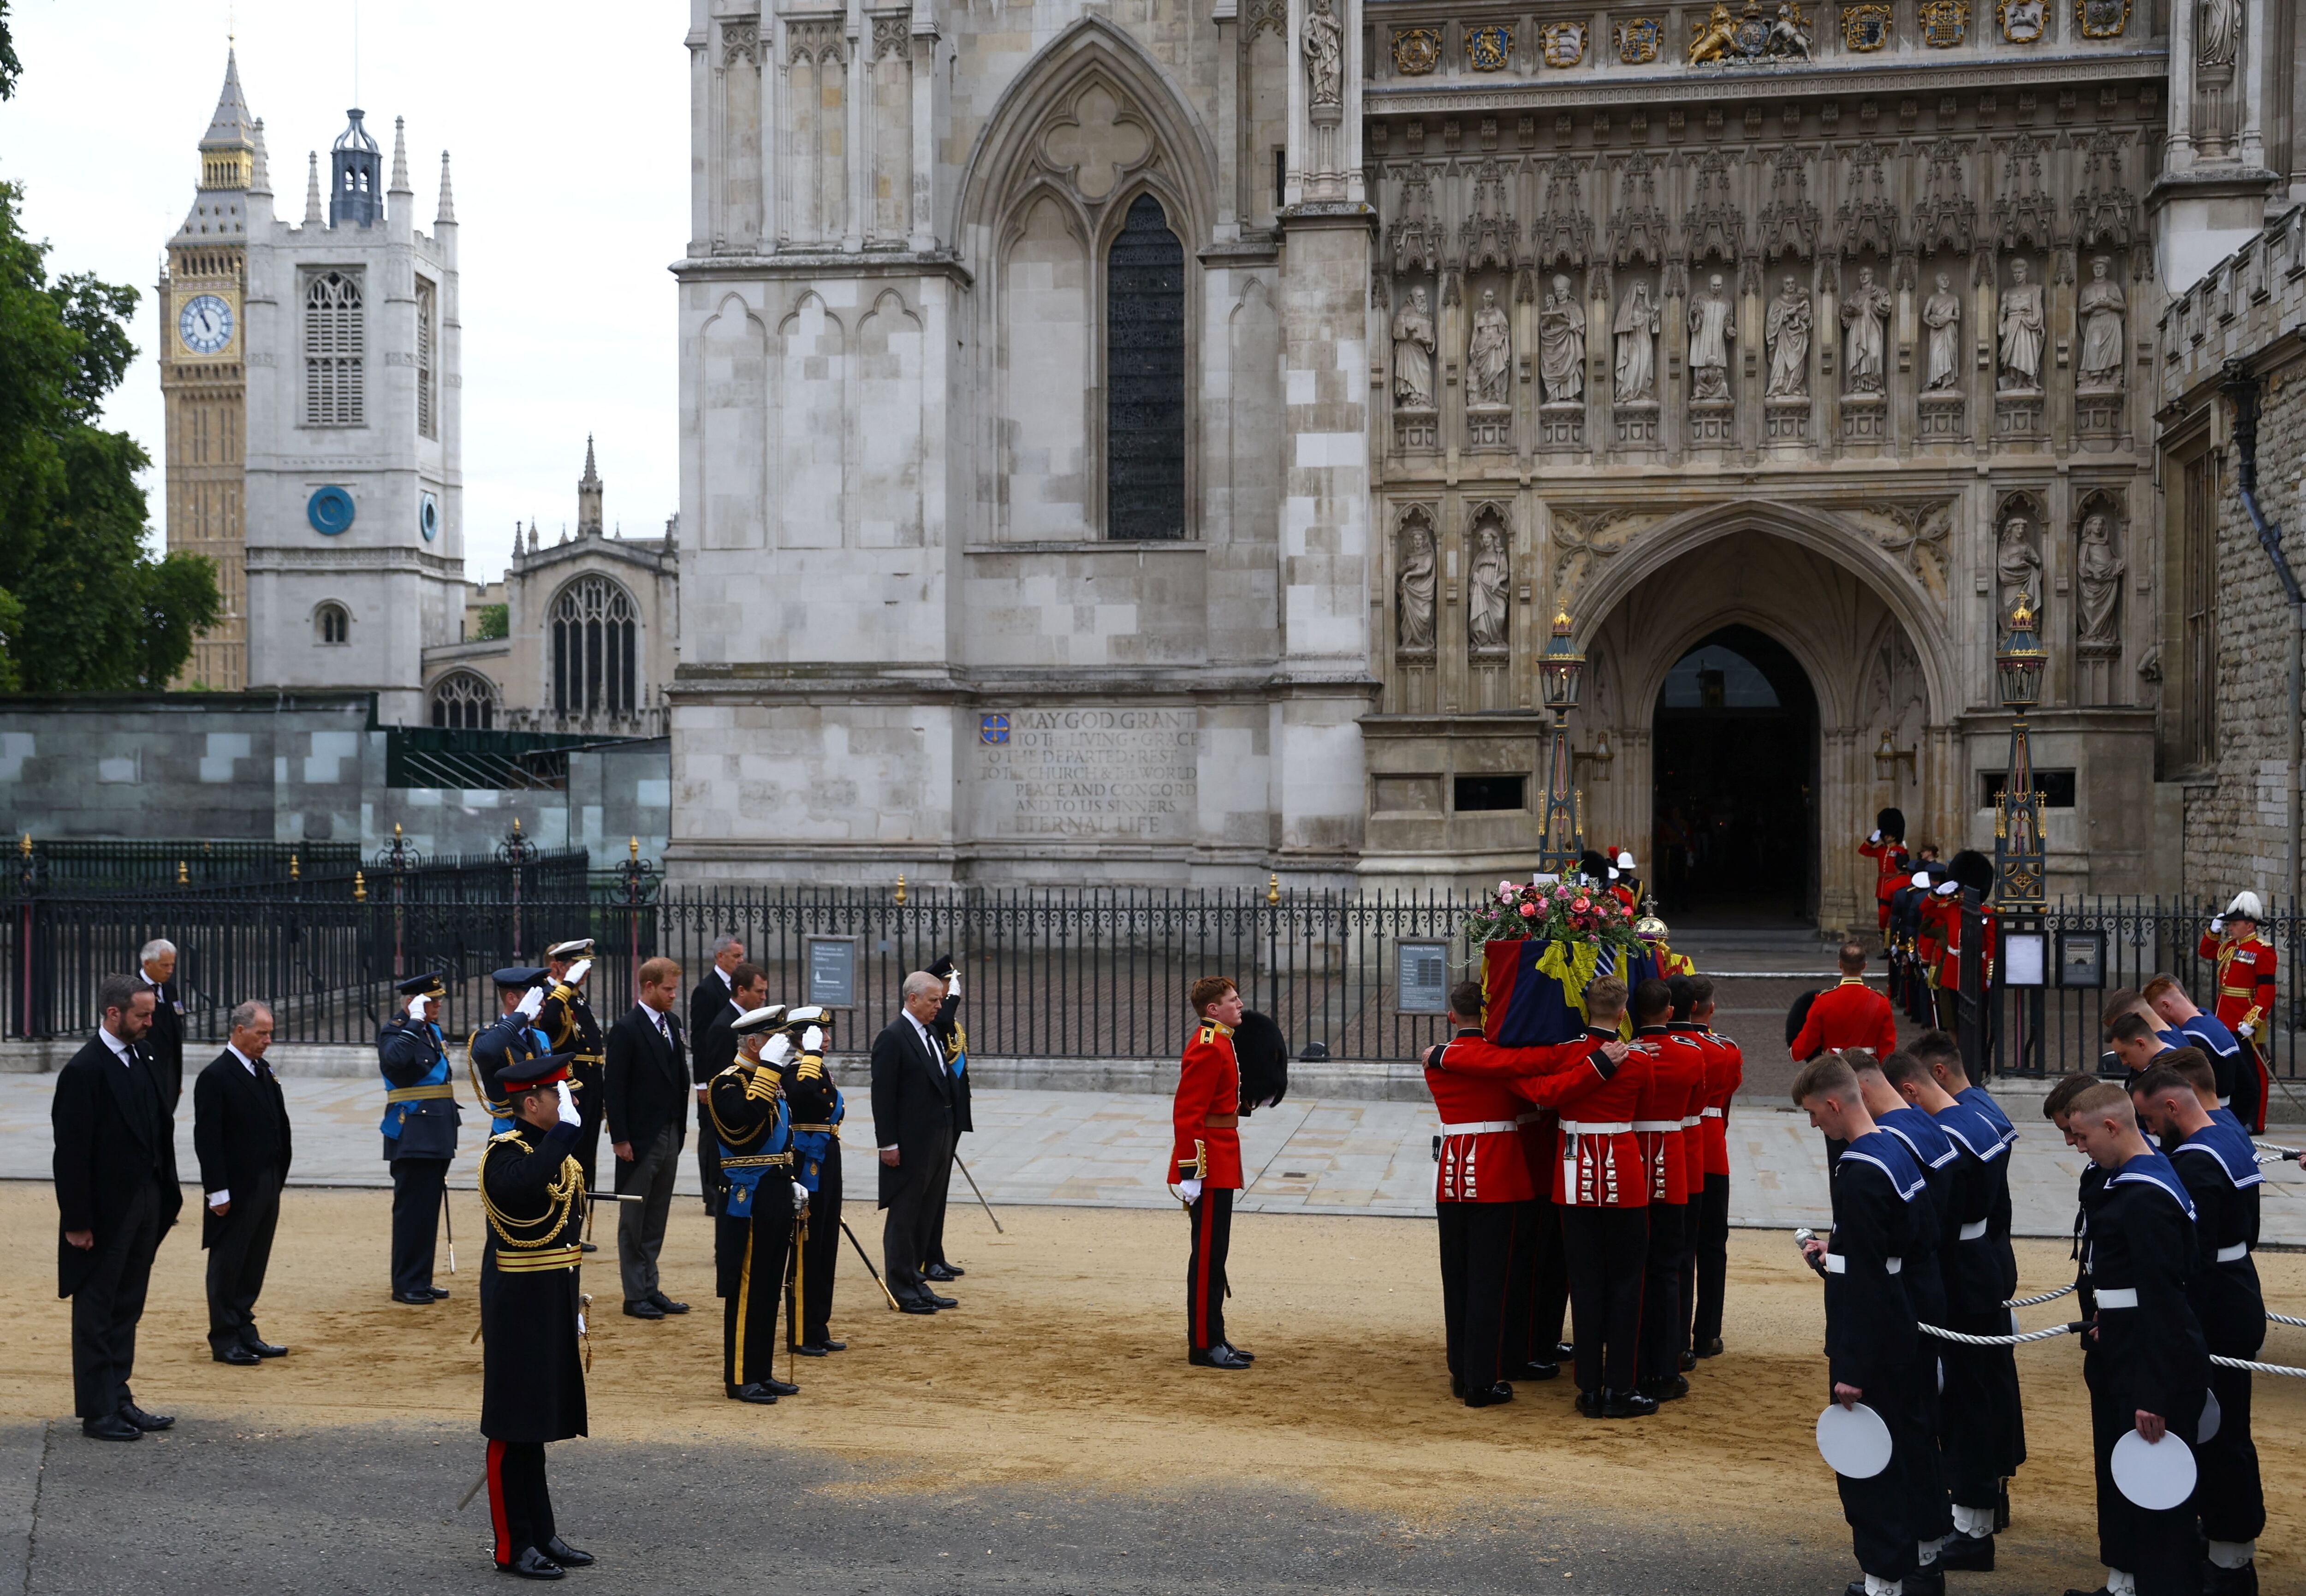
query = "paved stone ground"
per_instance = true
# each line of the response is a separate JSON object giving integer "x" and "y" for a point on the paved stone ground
{"x": 1106, "y": 1149}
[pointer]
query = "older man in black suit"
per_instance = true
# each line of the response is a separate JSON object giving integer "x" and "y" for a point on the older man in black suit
{"x": 164, "y": 1044}
{"x": 116, "y": 1195}
{"x": 239, "y": 1131}
{"x": 913, "y": 1094}
{"x": 707, "y": 1003}
{"x": 646, "y": 1088}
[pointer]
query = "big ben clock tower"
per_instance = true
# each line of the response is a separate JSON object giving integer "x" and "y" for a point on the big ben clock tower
{"x": 204, "y": 383}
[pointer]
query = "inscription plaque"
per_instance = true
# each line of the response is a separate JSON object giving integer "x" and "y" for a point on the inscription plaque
{"x": 1116, "y": 774}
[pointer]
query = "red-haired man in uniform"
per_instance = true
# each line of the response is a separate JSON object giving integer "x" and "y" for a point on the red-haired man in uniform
{"x": 1205, "y": 1165}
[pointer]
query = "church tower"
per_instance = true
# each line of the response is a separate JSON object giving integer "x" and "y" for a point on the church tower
{"x": 203, "y": 381}
{"x": 588, "y": 495}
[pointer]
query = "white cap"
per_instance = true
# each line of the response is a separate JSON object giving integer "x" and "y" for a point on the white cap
{"x": 1625, "y": 859}
{"x": 768, "y": 1018}
{"x": 1922, "y": 879}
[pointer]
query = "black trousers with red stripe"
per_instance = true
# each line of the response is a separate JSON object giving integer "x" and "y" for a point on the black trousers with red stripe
{"x": 1477, "y": 1241}
{"x": 520, "y": 1508}
{"x": 1605, "y": 1249}
{"x": 1211, "y": 1217}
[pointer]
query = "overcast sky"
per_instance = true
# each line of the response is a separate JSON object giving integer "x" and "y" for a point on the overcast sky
{"x": 568, "y": 129}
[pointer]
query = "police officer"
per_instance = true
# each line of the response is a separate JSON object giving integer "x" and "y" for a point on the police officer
{"x": 531, "y": 1315}
{"x": 509, "y": 1038}
{"x": 420, "y": 1132}
{"x": 567, "y": 1021}
{"x": 816, "y": 1105}
{"x": 759, "y": 1204}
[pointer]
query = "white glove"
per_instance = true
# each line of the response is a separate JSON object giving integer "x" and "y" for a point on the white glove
{"x": 568, "y": 1114}
{"x": 952, "y": 983}
{"x": 577, "y": 972}
{"x": 2219, "y": 926}
{"x": 531, "y": 1002}
{"x": 2245, "y": 1031}
{"x": 1877, "y": 837}
{"x": 1191, "y": 1189}
{"x": 812, "y": 1040}
{"x": 416, "y": 1008}
{"x": 779, "y": 1048}
{"x": 800, "y": 1199}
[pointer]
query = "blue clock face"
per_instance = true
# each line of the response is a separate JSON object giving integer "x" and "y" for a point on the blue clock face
{"x": 204, "y": 324}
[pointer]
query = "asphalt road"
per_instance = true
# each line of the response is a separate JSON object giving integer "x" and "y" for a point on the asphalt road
{"x": 214, "y": 1508}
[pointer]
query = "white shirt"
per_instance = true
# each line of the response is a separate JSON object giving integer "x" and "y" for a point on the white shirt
{"x": 726, "y": 979}
{"x": 120, "y": 1049}
{"x": 217, "y": 1200}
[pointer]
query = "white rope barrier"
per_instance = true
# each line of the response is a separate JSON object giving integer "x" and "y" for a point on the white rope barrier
{"x": 2269, "y": 1153}
{"x": 1998, "y": 1340}
{"x": 2047, "y": 1296}
{"x": 2283, "y": 1319}
{"x": 2257, "y": 1368}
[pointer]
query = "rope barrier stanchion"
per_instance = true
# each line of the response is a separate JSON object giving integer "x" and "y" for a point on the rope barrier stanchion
{"x": 2020, "y": 1340}
{"x": 2047, "y": 1296}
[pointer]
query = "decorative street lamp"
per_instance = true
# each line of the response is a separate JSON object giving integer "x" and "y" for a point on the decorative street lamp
{"x": 2020, "y": 866}
{"x": 1560, "y": 674}
{"x": 519, "y": 853}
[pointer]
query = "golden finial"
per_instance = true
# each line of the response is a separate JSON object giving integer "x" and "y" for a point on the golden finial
{"x": 516, "y": 825}
{"x": 360, "y": 887}
{"x": 25, "y": 846}
{"x": 1273, "y": 888}
{"x": 1561, "y": 623}
{"x": 2023, "y": 614}
{"x": 184, "y": 876}
{"x": 396, "y": 830}
{"x": 633, "y": 849}
{"x": 901, "y": 889}
{"x": 295, "y": 871}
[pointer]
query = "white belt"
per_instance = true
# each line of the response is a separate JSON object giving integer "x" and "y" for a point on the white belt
{"x": 1713, "y": 1113}
{"x": 1480, "y": 1128}
{"x": 1598, "y": 1127}
{"x": 1654, "y": 1125}
{"x": 2117, "y": 1296}
{"x": 1689, "y": 1123}
{"x": 2233, "y": 1254}
{"x": 1835, "y": 1264}
{"x": 1974, "y": 1230}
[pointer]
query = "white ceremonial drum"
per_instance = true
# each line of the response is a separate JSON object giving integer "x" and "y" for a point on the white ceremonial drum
{"x": 2213, "y": 1416}
{"x": 1853, "y": 1441}
{"x": 2154, "y": 1475}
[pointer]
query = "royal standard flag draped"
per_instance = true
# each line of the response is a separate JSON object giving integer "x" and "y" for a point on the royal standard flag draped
{"x": 1533, "y": 993}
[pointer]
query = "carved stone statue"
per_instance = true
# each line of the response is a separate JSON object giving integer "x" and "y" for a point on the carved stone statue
{"x": 1788, "y": 334}
{"x": 1942, "y": 315}
{"x": 2018, "y": 565}
{"x": 2021, "y": 332}
{"x": 1636, "y": 329}
{"x": 1325, "y": 54}
{"x": 1485, "y": 594}
{"x": 2101, "y": 311}
{"x": 1561, "y": 345}
{"x": 1866, "y": 317}
{"x": 1790, "y": 34}
{"x": 2217, "y": 33}
{"x": 1416, "y": 612}
{"x": 1717, "y": 38}
{"x": 1489, "y": 357}
{"x": 1412, "y": 353}
{"x": 2098, "y": 573}
{"x": 1709, "y": 333}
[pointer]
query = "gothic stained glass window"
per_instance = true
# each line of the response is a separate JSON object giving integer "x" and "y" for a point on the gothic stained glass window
{"x": 595, "y": 630}
{"x": 463, "y": 702}
{"x": 1145, "y": 378}
{"x": 334, "y": 343}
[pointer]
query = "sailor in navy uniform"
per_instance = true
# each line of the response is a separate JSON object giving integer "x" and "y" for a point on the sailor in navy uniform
{"x": 420, "y": 1132}
{"x": 753, "y": 1233}
{"x": 531, "y": 1311}
{"x": 511, "y": 1036}
{"x": 816, "y": 1105}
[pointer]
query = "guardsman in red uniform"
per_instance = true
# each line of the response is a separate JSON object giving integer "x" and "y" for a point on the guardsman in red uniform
{"x": 1849, "y": 1014}
{"x": 1725, "y": 1072}
{"x": 1205, "y": 1163}
{"x": 1887, "y": 849}
{"x": 1971, "y": 869}
{"x": 2245, "y": 963}
{"x": 1667, "y": 1106}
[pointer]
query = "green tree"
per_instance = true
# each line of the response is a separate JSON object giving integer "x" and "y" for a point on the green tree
{"x": 85, "y": 609}
{"x": 9, "y": 65}
{"x": 496, "y": 621}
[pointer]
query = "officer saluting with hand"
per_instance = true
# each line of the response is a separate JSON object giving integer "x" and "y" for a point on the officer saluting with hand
{"x": 817, "y": 1109}
{"x": 506, "y": 1039}
{"x": 420, "y": 1132}
{"x": 744, "y": 1106}
{"x": 567, "y": 1024}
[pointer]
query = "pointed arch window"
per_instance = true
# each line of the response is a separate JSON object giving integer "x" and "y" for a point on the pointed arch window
{"x": 1145, "y": 377}
{"x": 335, "y": 340}
{"x": 595, "y": 637}
{"x": 462, "y": 701}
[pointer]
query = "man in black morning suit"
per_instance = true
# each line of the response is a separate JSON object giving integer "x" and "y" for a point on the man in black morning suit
{"x": 912, "y": 1128}
{"x": 164, "y": 1044}
{"x": 240, "y": 1133}
{"x": 646, "y": 1088}
{"x": 116, "y": 1195}
{"x": 707, "y": 1002}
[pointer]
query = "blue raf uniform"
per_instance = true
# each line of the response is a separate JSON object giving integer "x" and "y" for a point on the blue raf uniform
{"x": 512, "y": 1037}
{"x": 753, "y": 1229}
{"x": 420, "y": 1133}
{"x": 817, "y": 1109}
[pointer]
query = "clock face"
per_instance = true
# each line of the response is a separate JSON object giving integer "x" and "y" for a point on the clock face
{"x": 204, "y": 324}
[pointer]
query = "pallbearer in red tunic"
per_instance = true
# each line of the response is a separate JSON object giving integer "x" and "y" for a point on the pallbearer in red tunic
{"x": 1668, "y": 1107}
{"x": 2245, "y": 963}
{"x": 1725, "y": 1072}
{"x": 1205, "y": 1165}
{"x": 1887, "y": 849}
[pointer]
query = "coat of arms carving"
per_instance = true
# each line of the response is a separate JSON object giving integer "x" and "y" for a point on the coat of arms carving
{"x": 1865, "y": 29}
{"x": 2023, "y": 22}
{"x": 2102, "y": 18}
{"x": 1753, "y": 39}
{"x": 1416, "y": 51}
{"x": 1945, "y": 23}
{"x": 1487, "y": 49}
{"x": 1639, "y": 39}
{"x": 1565, "y": 43}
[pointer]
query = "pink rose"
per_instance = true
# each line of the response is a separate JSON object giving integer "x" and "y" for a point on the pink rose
{"x": 1529, "y": 910}
{"x": 1579, "y": 906}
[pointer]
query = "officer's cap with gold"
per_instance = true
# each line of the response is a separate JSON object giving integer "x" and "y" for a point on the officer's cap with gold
{"x": 807, "y": 1014}
{"x": 432, "y": 984}
{"x": 753, "y": 1021}
{"x": 574, "y": 948}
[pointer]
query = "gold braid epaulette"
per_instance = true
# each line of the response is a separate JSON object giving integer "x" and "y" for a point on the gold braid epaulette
{"x": 759, "y": 1084}
{"x": 559, "y": 1199}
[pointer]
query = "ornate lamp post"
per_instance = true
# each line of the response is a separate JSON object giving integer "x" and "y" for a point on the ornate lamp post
{"x": 638, "y": 873}
{"x": 519, "y": 852}
{"x": 1560, "y": 674}
{"x": 2020, "y": 867}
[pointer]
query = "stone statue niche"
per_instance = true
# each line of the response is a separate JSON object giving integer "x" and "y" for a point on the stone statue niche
{"x": 1413, "y": 689}
{"x": 2018, "y": 332}
{"x": 1413, "y": 351}
{"x": 2018, "y": 564}
{"x": 1489, "y": 609}
{"x": 1561, "y": 342}
{"x": 2098, "y": 572}
{"x": 1488, "y": 353}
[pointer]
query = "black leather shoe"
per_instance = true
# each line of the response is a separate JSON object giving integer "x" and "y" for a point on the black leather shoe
{"x": 1665, "y": 1388}
{"x": 755, "y": 1392}
{"x": 809, "y": 1349}
{"x": 587, "y": 1247}
{"x": 2230, "y": 1581}
{"x": 1246, "y": 1355}
{"x": 831, "y": 1345}
{"x": 236, "y": 1354}
{"x": 1688, "y": 1361}
{"x": 1710, "y": 1349}
{"x": 416, "y": 1298}
{"x": 665, "y": 1304}
{"x": 941, "y": 1301}
{"x": 1589, "y": 1403}
{"x": 644, "y": 1308}
{"x": 112, "y": 1427}
{"x": 533, "y": 1564}
{"x": 1925, "y": 1582}
{"x": 1496, "y": 1394}
{"x": 566, "y": 1555}
{"x": 143, "y": 1421}
{"x": 1964, "y": 1553}
{"x": 1627, "y": 1404}
{"x": 1219, "y": 1356}
{"x": 1520, "y": 1372}
{"x": 439, "y": 1293}
{"x": 777, "y": 1387}
{"x": 1563, "y": 1352}
{"x": 915, "y": 1305}
{"x": 266, "y": 1349}
{"x": 942, "y": 1272}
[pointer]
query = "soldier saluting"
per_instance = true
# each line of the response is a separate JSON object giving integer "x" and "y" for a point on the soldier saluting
{"x": 2245, "y": 966}
{"x": 420, "y": 1132}
{"x": 511, "y": 1036}
{"x": 817, "y": 1109}
{"x": 532, "y": 1317}
{"x": 753, "y": 1231}
{"x": 567, "y": 1021}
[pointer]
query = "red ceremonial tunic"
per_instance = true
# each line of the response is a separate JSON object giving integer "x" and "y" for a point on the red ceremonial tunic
{"x": 1724, "y": 1074}
{"x": 1475, "y": 1054}
{"x": 1600, "y": 1165}
{"x": 1208, "y": 1111}
{"x": 1949, "y": 961}
{"x": 1481, "y": 1157}
{"x": 1891, "y": 870}
{"x": 2245, "y": 979}
{"x": 1672, "y": 1094}
{"x": 1693, "y": 1119}
{"x": 1930, "y": 934}
{"x": 1849, "y": 1015}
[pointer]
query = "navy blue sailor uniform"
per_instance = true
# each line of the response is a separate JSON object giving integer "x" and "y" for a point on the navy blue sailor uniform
{"x": 817, "y": 1109}
{"x": 2219, "y": 1046}
{"x": 753, "y": 1233}
{"x": 1983, "y": 1425}
{"x": 2218, "y": 1166}
{"x": 1882, "y": 1221}
{"x": 1935, "y": 1156}
{"x": 2150, "y": 1357}
{"x": 420, "y": 1137}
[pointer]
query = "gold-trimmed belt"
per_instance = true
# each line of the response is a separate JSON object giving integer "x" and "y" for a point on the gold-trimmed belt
{"x": 539, "y": 1263}
{"x": 812, "y": 1130}
{"x": 416, "y": 1094}
{"x": 759, "y": 1161}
